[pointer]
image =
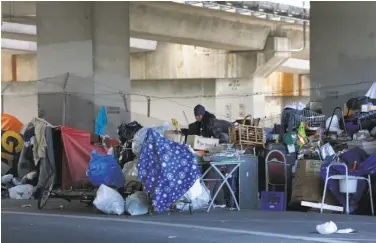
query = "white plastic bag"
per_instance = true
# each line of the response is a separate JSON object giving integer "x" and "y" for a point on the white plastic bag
{"x": 327, "y": 228}
{"x": 137, "y": 203}
{"x": 6, "y": 179}
{"x": 200, "y": 201}
{"x": 109, "y": 201}
{"x": 21, "y": 192}
{"x": 195, "y": 191}
{"x": 334, "y": 126}
{"x": 330, "y": 228}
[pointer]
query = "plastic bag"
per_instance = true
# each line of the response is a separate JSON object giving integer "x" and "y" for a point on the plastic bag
{"x": 139, "y": 138}
{"x": 130, "y": 171}
{"x": 21, "y": 192}
{"x": 6, "y": 179}
{"x": 109, "y": 201}
{"x": 137, "y": 204}
{"x": 334, "y": 126}
{"x": 201, "y": 201}
{"x": 195, "y": 191}
{"x": 103, "y": 169}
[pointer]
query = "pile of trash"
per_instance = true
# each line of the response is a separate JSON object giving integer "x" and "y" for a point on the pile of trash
{"x": 111, "y": 198}
{"x": 18, "y": 189}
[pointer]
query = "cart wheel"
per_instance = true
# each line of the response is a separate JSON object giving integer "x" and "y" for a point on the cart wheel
{"x": 45, "y": 193}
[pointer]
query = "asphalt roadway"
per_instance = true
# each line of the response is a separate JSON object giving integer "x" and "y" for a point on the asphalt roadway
{"x": 62, "y": 222}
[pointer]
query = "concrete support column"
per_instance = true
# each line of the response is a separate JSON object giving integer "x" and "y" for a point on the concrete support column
{"x": 90, "y": 40}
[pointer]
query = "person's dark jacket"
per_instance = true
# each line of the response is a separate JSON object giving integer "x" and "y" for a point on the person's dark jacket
{"x": 209, "y": 126}
{"x": 206, "y": 125}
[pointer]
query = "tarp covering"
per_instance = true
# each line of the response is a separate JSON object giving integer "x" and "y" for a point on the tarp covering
{"x": 77, "y": 151}
{"x": 11, "y": 141}
{"x": 365, "y": 168}
{"x": 10, "y": 123}
{"x": 167, "y": 169}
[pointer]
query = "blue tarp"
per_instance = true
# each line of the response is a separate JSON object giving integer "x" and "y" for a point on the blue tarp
{"x": 167, "y": 169}
{"x": 101, "y": 121}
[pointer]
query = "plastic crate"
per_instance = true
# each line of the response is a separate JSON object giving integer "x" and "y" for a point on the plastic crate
{"x": 273, "y": 201}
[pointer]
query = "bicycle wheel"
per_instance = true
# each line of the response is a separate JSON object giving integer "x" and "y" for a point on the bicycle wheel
{"x": 46, "y": 192}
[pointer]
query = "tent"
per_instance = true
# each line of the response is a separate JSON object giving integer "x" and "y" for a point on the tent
{"x": 11, "y": 143}
{"x": 10, "y": 123}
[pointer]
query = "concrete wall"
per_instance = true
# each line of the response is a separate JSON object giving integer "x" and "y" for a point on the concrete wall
{"x": 175, "y": 61}
{"x": 343, "y": 51}
{"x": 233, "y": 101}
{"x": 20, "y": 99}
{"x": 174, "y": 99}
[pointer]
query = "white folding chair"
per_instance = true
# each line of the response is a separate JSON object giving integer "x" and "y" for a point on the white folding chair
{"x": 347, "y": 178}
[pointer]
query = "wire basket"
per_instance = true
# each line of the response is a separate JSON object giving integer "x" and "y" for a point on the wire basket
{"x": 311, "y": 119}
{"x": 246, "y": 136}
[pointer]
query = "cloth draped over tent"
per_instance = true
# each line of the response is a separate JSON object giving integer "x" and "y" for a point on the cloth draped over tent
{"x": 167, "y": 169}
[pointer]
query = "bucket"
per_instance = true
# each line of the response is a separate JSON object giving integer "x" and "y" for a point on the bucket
{"x": 352, "y": 184}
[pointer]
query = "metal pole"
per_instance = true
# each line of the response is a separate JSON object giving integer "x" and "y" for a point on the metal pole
{"x": 124, "y": 101}
{"x": 148, "y": 109}
{"x": 65, "y": 99}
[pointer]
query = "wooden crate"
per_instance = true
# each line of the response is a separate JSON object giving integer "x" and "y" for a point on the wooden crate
{"x": 247, "y": 136}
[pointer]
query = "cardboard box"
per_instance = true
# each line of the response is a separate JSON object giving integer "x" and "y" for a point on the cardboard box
{"x": 201, "y": 143}
{"x": 308, "y": 184}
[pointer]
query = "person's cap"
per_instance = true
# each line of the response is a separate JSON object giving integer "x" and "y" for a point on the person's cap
{"x": 199, "y": 110}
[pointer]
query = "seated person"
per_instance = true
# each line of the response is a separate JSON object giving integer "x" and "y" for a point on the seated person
{"x": 207, "y": 125}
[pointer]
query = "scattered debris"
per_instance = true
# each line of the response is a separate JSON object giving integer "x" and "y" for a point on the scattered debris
{"x": 26, "y": 206}
{"x": 172, "y": 237}
{"x": 330, "y": 228}
{"x": 61, "y": 207}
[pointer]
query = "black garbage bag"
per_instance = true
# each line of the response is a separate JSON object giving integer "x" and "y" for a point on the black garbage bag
{"x": 126, "y": 133}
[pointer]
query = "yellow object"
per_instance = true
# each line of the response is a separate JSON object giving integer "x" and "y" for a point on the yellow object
{"x": 175, "y": 123}
{"x": 301, "y": 134}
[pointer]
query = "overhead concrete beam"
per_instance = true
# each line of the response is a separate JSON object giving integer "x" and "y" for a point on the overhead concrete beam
{"x": 268, "y": 62}
{"x": 28, "y": 46}
{"x": 294, "y": 65}
{"x": 178, "y": 23}
{"x": 183, "y": 24}
{"x": 26, "y": 32}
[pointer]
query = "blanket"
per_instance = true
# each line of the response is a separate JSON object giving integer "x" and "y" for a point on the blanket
{"x": 167, "y": 169}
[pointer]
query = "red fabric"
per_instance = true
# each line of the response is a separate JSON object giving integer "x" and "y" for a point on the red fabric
{"x": 76, "y": 157}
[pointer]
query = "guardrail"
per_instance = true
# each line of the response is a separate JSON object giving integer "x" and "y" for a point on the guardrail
{"x": 260, "y": 9}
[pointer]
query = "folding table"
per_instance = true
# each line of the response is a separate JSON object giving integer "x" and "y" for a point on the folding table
{"x": 224, "y": 179}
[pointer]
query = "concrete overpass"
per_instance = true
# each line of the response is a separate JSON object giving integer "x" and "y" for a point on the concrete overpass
{"x": 189, "y": 25}
{"x": 81, "y": 38}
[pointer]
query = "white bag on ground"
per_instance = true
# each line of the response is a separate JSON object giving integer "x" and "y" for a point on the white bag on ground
{"x": 327, "y": 228}
{"x": 137, "y": 203}
{"x": 200, "y": 201}
{"x": 109, "y": 201}
{"x": 195, "y": 191}
{"x": 21, "y": 192}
